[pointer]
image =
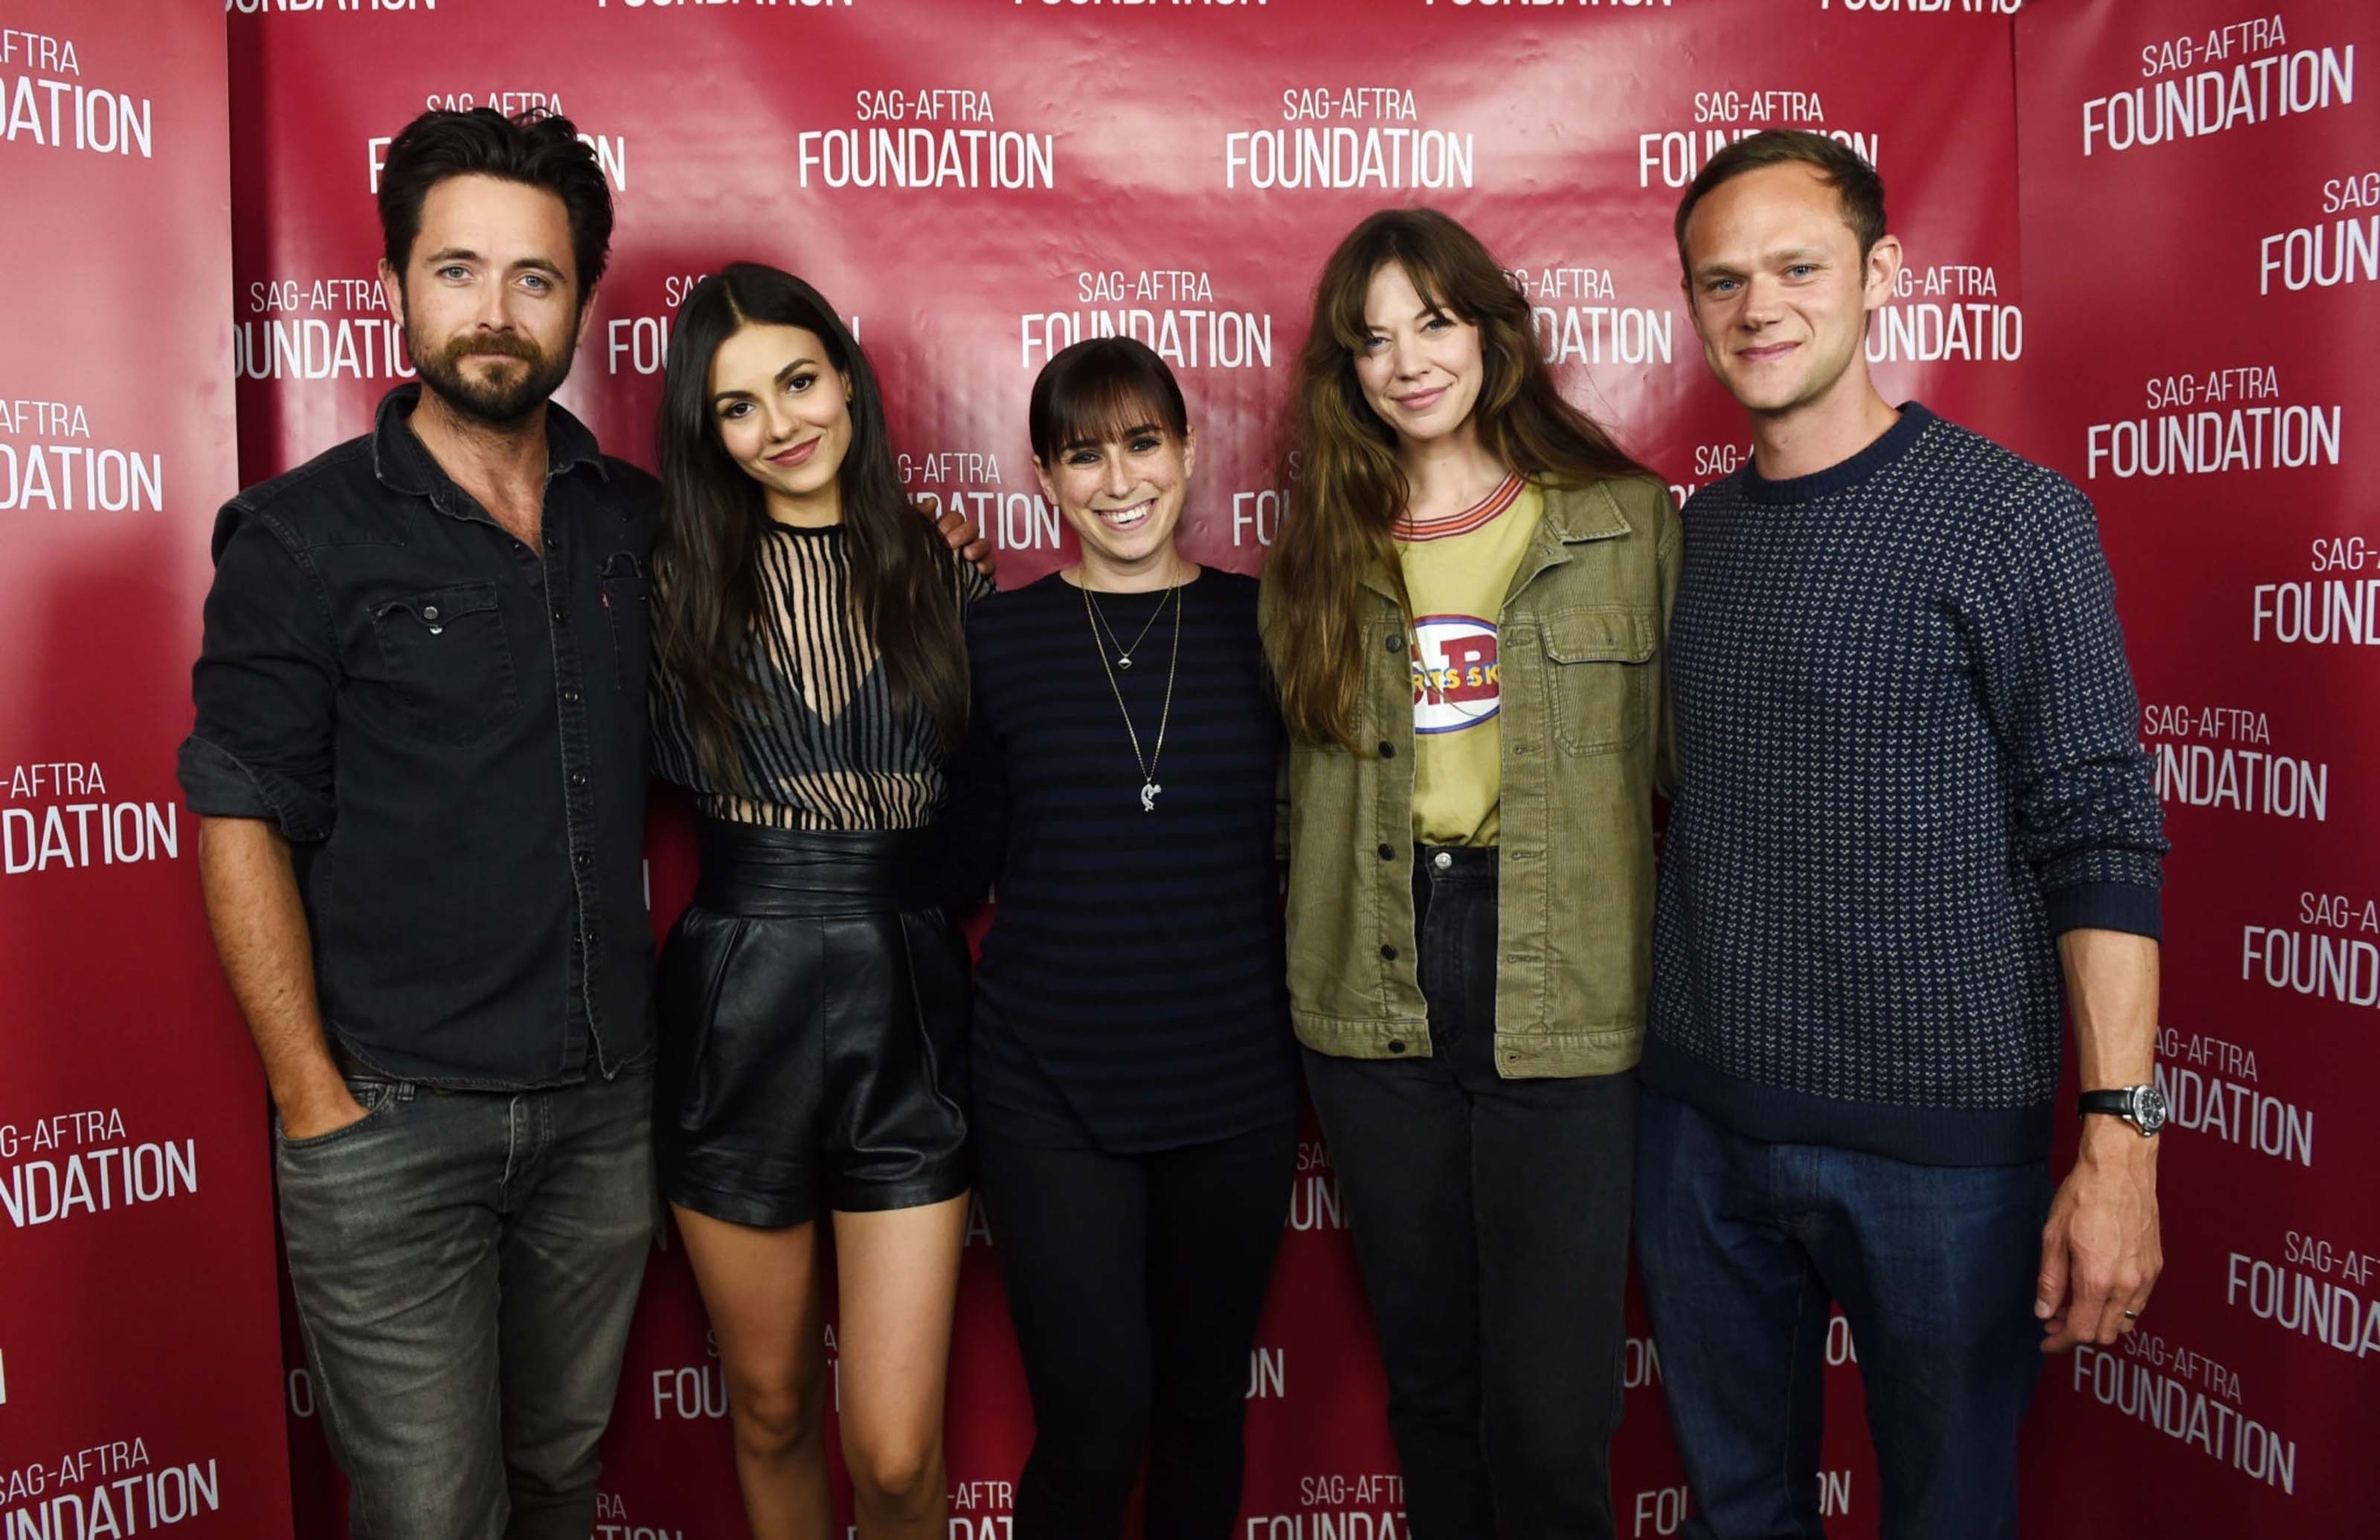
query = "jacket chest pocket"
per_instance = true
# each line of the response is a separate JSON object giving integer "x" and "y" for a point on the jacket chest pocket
{"x": 449, "y": 661}
{"x": 627, "y": 600}
{"x": 1598, "y": 676}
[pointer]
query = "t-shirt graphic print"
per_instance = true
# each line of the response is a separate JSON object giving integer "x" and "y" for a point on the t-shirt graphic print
{"x": 1454, "y": 672}
{"x": 1456, "y": 571}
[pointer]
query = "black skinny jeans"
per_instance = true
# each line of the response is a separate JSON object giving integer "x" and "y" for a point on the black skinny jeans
{"x": 1490, "y": 1219}
{"x": 1135, "y": 1283}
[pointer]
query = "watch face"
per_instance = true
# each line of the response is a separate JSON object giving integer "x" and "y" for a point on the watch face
{"x": 2148, "y": 1109}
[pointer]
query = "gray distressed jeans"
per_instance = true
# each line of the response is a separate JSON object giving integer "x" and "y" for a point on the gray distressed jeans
{"x": 466, "y": 1264}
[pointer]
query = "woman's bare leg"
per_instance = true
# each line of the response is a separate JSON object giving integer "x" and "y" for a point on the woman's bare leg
{"x": 897, "y": 1276}
{"x": 761, "y": 1288}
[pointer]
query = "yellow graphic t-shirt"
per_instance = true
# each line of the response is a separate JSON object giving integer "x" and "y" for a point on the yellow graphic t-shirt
{"x": 1456, "y": 571}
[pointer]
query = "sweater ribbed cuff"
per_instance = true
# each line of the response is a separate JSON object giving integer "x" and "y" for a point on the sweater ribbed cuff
{"x": 2124, "y": 906}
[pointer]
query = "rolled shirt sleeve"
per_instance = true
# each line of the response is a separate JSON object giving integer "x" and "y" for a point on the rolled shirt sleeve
{"x": 264, "y": 685}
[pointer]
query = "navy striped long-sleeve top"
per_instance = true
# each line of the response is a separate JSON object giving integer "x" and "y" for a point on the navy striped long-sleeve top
{"x": 1130, "y": 992}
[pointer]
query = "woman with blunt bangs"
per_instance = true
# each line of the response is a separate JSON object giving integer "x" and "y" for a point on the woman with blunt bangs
{"x": 811, "y": 686}
{"x": 1136, "y": 1082}
{"x": 1465, "y": 611}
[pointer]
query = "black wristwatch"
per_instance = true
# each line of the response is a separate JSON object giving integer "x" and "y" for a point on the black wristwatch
{"x": 2141, "y": 1105}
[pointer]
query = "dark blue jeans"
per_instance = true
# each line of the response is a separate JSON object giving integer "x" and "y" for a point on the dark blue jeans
{"x": 1744, "y": 1245}
{"x": 465, "y": 1265}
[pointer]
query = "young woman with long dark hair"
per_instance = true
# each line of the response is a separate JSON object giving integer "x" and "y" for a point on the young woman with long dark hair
{"x": 811, "y": 685}
{"x": 1136, "y": 1082}
{"x": 1465, "y": 611}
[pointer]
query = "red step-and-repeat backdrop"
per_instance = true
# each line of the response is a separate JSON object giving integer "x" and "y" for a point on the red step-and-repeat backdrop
{"x": 2202, "y": 254}
{"x": 139, "y": 1356}
{"x": 977, "y": 183}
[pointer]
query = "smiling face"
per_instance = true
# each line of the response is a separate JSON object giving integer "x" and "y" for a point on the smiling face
{"x": 489, "y": 297}
{"x": 1419, "y": 366}
{"x": 1779, "y": 291}
{"x": 1122, "y": 497}
{"x": 783, "y": 414}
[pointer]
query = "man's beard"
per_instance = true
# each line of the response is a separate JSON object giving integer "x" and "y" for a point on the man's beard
{"x": 495, "y": 403}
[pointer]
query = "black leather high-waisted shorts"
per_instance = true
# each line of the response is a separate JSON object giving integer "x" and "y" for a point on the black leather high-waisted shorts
{"x": 813, "y": 1029}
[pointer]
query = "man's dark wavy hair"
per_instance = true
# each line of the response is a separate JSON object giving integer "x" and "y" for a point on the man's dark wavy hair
{"x": 536, "y": 147}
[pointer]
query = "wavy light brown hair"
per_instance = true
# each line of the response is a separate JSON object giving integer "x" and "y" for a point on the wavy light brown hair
{"x": 1351, "y": 486}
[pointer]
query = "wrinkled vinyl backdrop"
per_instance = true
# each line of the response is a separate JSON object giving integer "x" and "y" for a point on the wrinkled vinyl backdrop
{"x": 2188, "y": 194}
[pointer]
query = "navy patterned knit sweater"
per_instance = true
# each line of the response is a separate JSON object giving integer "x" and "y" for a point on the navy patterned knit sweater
{"x": 1908, "y": 759}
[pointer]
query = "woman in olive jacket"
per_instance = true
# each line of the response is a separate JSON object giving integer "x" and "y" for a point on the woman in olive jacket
{"x": 1466, "y": 612}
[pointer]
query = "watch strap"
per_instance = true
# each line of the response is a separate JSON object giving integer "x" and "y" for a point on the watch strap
{"x": 2144, "y": 1106}
{"x": 2117, "y": 1104}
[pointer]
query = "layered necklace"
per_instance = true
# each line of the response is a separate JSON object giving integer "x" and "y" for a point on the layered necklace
{"x": 1103, "y": 639}
{"x": 1109, "y": 636}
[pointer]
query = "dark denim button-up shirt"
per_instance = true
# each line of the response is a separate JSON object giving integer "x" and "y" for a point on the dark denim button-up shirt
{"x": 449, "y": 728}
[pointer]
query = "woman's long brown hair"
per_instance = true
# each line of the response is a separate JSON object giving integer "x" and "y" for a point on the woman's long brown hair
{"x": 1351, "y": 486}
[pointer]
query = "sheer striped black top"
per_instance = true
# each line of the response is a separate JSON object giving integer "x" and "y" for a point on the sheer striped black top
{"x": 1132, "y": 994}
{"x": 828, "y": 751}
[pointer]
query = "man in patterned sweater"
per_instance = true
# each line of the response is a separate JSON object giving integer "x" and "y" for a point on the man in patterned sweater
{"x": 1913, "y": 822}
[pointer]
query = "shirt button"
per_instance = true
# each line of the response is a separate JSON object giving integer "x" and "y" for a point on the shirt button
{"x": 1389, "y": 954}
{"x": 1396, "y": 644}
{"x": 1388, "y": 749}
{"x": 559, "y": 617}
{"x": 551, "y": 539}
{"x": 429, "y": 612}
{"x": 1388, "y": 853}
{"x": 570, "y": 698}
{"x": 1396, "y": 1045}
{"x": 579, "y": 778}
{"x": 1441, "y": 860}
{"x": 582, "y": 860}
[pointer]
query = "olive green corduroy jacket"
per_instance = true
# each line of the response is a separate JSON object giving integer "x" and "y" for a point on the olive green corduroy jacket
{"x": 1582, "y": 645}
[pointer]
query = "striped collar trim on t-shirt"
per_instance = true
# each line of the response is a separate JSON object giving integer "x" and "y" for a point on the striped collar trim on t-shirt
{"x": 1477, "y": 517}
